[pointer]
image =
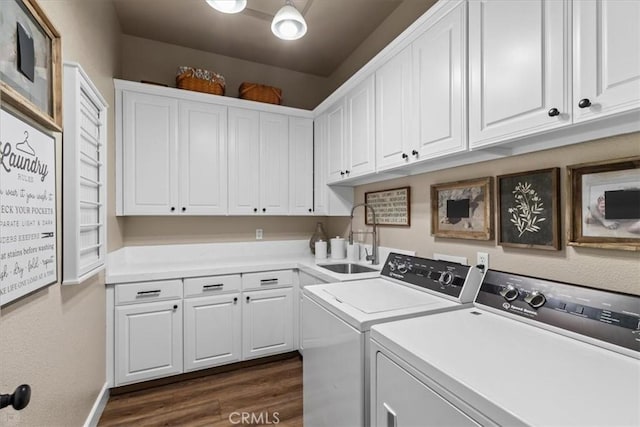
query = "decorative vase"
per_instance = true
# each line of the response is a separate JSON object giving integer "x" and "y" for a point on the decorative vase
{"x": 319, "y": 234}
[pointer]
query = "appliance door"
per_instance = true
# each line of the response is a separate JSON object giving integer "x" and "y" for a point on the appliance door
{"x": 333, "y": 371}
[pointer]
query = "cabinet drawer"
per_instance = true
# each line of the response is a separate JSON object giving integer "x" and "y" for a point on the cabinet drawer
{"x": 267, "y": 279}
{"x": 211, "y": 285}
{"x": 148, "y": 291}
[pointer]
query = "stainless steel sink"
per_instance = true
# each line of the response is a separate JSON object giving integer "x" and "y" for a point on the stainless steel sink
{"x": 347, "y": 268}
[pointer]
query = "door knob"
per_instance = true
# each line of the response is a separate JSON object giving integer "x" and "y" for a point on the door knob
{"x": 554, "y": 112}
{"x": 19, "y": 399}
{"x": 584, "y": 103}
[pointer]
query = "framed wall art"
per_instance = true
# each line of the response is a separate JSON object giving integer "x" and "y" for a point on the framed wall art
{"x": 604, "y": 204}
{"x": 30, "y": 63}
{"x": 28, "y": 248}
{"x": 529, "y": 209}
{"x": 463, "y": 209}
{"x": 392, "y": 206}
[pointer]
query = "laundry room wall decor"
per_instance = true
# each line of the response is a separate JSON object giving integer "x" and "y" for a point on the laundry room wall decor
{"x": 393, "y": 207}
{"x": 27, "y": 209}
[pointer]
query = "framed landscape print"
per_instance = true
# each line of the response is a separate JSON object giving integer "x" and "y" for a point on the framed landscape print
{"x": 391, "y": 206}
{"x": 605, "y": 204}
{"x": 463, "y": 209}
{"x": 30, "y": 63}
{"x": 529, "y": 209}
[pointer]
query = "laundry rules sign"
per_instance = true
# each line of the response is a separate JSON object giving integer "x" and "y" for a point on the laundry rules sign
{"x": 27, "y": 209}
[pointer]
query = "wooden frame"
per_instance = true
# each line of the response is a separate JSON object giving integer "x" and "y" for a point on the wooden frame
{"x": 393, "y": 207}
{"x": 588, "y": 186}
{"x": 49, "y": 115}
{"x": 529, "y": 209}
{"x": 473, "y": 198}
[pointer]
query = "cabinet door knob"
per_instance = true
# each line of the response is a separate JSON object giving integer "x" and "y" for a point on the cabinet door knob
{"x": 554, "y": 112}
{"x": 405, "y": 156}
{"x": 173, "y": 208}
{"x": 347, "y": 172}
{"x": 175, "y": 307}
{"x": 341, "y": 173}
{"x": 264, "y": 209}
{"x": 414, "y": 152}
{"x": 184, "y": 209}
{"x": 310, "y": 210}
{"x": 235, "y": 300}
{"x": 255, "y": 209}
{"x": 248, "y": 298}
{"x": 584, "y": 103}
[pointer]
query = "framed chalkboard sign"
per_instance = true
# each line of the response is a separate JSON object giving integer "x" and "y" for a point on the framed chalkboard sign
{"x": 391, "y": 206}
{"x": 529, "y": 209}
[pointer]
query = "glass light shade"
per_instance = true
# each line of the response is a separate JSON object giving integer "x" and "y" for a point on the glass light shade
{"x": 228, "y": 6}
{"x": 288, "y": 24}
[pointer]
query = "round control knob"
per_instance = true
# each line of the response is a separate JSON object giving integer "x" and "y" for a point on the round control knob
{"x": 403, "y": 268}
{"x": 392, "y": 265}
{"x": 446, "y": 278}
{"x": 584, "y": 103}
{"x": 535, "y": 299}
{"x": 510, "y": 293}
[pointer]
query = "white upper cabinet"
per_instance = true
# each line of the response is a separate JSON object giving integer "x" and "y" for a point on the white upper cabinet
{"x": 300, "y": 166}
{"x": 606, "y": 58}
{"x": 394, "y": 88}
{"x": 203, "y": 158}
{"x": 258, "y": 162}
{"x": 337, "y": 162}
{"x": 439, "y": 76}
{"x": 360, "y": 128}
{"x": 518, "y": 61}
{"x": 150, "y": 154}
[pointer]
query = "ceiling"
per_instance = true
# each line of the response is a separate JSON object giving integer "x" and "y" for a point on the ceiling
{"x": 335, "y": 29}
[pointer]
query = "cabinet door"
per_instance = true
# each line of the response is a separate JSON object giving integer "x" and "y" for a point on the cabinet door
{"x": 149, "y": 154}
{"x": 401, "y": 400}
{"x": 244, "y": 161}
{"x": 212, "y": 331}
{"x": 360, "y": 138}
{"x": 336, "y": 149}
{"x": 518, "y": 68}
{"x": 439, "y": 72}
{"x": 606, "y": 57}
{"x": 267, "y": 322}
{"x": 320, "y": 168}
{"x": 393, "y": 111}
{"x": 203, "y": 158}
{"x": 148, "y": 342}
{"x": 274, "y": 163}
{"x": 301, "y": 166}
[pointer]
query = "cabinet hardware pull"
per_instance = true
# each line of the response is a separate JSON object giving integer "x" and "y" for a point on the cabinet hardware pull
{"x": 175, "y": 307}
{"x": 264, "y": 209}
{"x": 584, "y": 103}
{"x": 414, "y": 152}
{"x": 255, "y": 209}
{"x": 341, "y": 173}
{"x": 347, "y": 172}
{"x": 268, "y": 282}
{"x": 142, "y": 293}
{"x": 392, "y": 417}
{"x": 554, "y": 112}
{"x": 173, "y": 208}
{"x": 310, "y": 209}
{"x": 184, "y": 209}
{"x": 215, "y": 287}
{"x": 235, "y": 300}
{"x": 405, "y": 156}
{"x": 248, "y": 298}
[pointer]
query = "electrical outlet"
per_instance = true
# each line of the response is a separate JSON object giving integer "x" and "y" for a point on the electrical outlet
{"x": 483, "y": 258}
{"x": 258, "y": 233}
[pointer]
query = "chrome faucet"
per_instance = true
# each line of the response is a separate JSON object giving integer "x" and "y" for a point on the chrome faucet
{"x": 373, "y": 257}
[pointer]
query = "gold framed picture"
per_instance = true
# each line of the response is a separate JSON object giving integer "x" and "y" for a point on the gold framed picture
{"x": 463, "y": 209}
{"x": 30, "y": 63}
{"x": 604, "y": 204}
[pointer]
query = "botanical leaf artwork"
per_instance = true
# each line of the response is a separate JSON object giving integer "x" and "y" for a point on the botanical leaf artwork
{"x": 527, "y": 212}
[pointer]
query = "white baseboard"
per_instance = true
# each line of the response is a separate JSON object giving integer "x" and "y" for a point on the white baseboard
{"x": 98, "y": 407}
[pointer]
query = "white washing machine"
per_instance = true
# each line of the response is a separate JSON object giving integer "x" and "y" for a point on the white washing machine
{"x": 337, "y": 318}
{"x": 531, "y": 352}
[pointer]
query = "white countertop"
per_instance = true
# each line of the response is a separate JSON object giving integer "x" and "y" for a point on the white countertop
{"x": 145, "y": 263}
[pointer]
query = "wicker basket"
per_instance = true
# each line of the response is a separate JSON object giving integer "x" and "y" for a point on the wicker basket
{"x": 260, "y": 93}
{"x": 200, "y": 80}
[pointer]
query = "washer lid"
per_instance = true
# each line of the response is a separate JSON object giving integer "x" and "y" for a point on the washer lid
{"x": 377, "y": 296}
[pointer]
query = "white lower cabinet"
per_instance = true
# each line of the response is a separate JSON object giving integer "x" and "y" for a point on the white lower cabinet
{"x": 212, "y": 331}
{"x": 148, "y": 341}
{"x": 267, "y": 322}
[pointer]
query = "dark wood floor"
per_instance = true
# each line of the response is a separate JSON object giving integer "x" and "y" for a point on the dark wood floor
{"x": 268, "y": 391}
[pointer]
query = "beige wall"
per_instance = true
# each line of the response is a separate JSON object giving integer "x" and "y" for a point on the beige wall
{"x": 54, "y": 339}
{"x": 607, "y": 269}
{"x": 144, "y": 59}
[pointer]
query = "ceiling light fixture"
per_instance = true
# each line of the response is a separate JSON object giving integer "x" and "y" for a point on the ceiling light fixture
{"x": 288, "y": 24}
{"x": 228, "y": 6}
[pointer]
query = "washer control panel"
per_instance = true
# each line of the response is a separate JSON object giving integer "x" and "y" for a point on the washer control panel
{"x": 607, "y": 316}
{"x": 455, "y": 280}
